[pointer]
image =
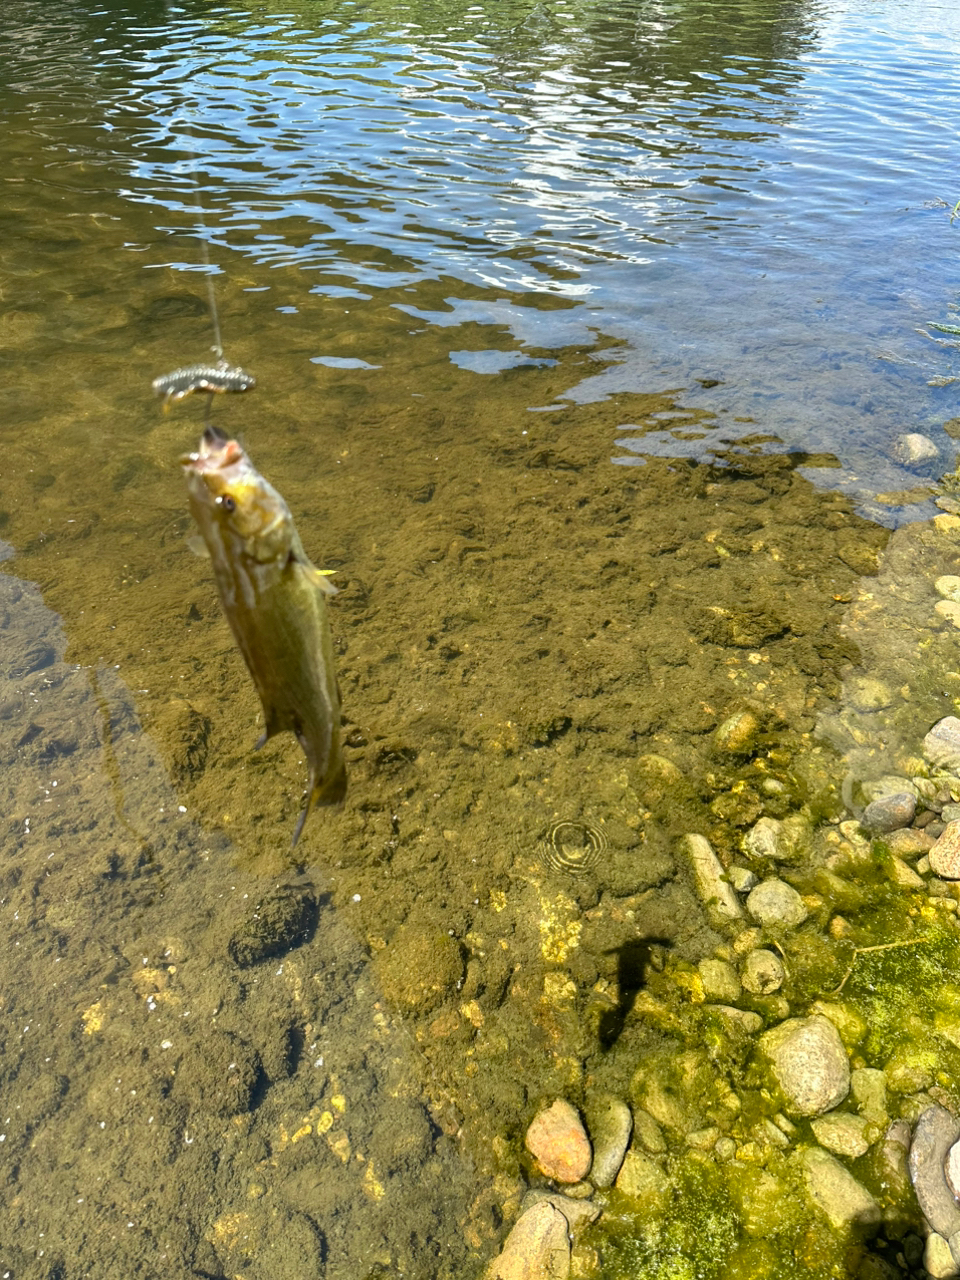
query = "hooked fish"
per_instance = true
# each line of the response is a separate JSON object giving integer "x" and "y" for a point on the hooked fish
{"x": 275, "y": 603}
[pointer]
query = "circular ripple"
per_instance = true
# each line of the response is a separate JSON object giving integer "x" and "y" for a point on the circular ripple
{"x": 571, "y": 847}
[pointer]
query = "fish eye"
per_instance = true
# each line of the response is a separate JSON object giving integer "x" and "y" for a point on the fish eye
{"x": 227, "y": 503}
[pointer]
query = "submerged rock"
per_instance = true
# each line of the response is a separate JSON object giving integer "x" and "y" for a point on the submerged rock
{"x": 611, "y": 1125}
{"x": 890, "y": 813}
{"x": 762, "y": 972}
{"x": 776, "y": 904}
{"x": 945, "y": 854}
{"x": 936, "y": 1132}
{"x": 558, "y": 1142}
{"x": 537, "y": 1248}
{"x": 276, "y": 924}
{"x": 809, "y": 1063}
{"x": 941, "y": 746}
{"x": 717, "y": 895}
{"x": 837, "y": 1193}
{"x": 914, "y": 450}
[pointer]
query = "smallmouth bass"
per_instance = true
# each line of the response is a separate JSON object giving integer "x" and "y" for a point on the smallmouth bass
{"x": 274, "y": 601}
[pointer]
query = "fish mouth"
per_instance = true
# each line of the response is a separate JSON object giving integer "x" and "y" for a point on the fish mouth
{"x": 216, "y": 450}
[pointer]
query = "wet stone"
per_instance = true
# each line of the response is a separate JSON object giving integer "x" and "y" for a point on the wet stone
{"x": 558, "y": 1142}
{"x": 889, "y": 813}
{"x": 909, "y": 843}
{"x": 809, "y": 1063}
{"x": 611, "y": 1125}
{"x": 914, "y": 450}
{"x": 935, "y": 1133}
{"x": 941, "y": 746}
{"x": 945, "y": 854}
{"x": 951, "y": 1169}
{"x": 774, "y": 904}
{"x": 938, "y": 1259}
{"x": 219, "y": 1076}
{"x": 537, "y": 1247}
{"x": 642, "y": 1179}
{"x": 761, "y": 972}
{"x": 275, "y": 925}
{"x": 843, "y": 1134}
{"x": 837, "y": 1193}
{"x": 720, "y": 981}
{"x": 716, "y": 894}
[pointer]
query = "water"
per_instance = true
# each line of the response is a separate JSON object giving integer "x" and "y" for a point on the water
{"x": 482, "y": 262}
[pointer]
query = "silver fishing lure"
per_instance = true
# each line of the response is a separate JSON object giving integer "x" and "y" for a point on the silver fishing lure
{"x": 219, "y": 377}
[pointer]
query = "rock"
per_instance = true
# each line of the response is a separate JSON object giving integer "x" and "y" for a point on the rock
{"x": 844, "y": 1134}
{"x": 889, "y": 813}
{"x": 776, "y": 905}
{"x": 902, "y": 875}
{"x": 761, "y": 972}
{"x": 642, "y": 1179}
{"x": 914, "y": 450}
{"x": 218, "y": 1077}
{"x": 578, "y": 1213}
{"x": 888, "y": 784}
{"x": 945, "y": 854}
{"x": 938, "y": 1260}
{"x": 717, "y": 896}
{"x": 949, "y": 610}
{"x": 936, "y": 1132}
{"x": 537, "y": 1248}
{"x": 776, "y": 841}
{"x": 909, "y": 843}
{"x": 951, "y": 1170}
{"x": 611, "y": 1126}
{"x": 744, "y": 1020}
{"x": 809, "y": 1063}
{"x": 910, "y": 1068}
{"x": 948, "y": 586}
{"x": 276, "y": 924}
{"x": 837, "y": 1193}
{"x": 738, "y": 734}
{"x": 558, "y": 1142}
{"x": 869, "y": 1089}
{"x": 742, "y": 878}
{"x": 866, "y": 693}
{"x": 648, "y": 1133}
{"x": 891, "y": 1160}
{"x": 720, "y": 981}
{"x": 419, "y": 968}
{"x": 941, "y": 746}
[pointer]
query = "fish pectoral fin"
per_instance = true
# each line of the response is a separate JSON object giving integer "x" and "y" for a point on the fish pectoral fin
{"x": 318, "y": 578}
{"x": 198, "y": 546}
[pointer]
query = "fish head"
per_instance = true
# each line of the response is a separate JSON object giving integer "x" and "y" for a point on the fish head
{"x": 233, "y": 504}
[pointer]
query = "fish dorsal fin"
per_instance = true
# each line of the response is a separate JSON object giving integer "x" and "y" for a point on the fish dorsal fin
{"x": 198, "y": 546}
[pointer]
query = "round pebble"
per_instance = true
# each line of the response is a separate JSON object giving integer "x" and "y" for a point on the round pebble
{"x": 762, "y": 973}
{"x": 941, "y": 746}
{"x": 913, "y": 449}
{"x": 945, "y": 855}
{"x": 775, "y": 904}
{"x": 810, "y": 1064}
{"x": 559, "y": 1143}
{"x": 890, "y": 813}
{"x": 951, "y": 1167}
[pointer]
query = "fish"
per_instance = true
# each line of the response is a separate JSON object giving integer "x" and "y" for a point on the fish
{"x": 275, "y": 601}
{"x": 219, "y": 377}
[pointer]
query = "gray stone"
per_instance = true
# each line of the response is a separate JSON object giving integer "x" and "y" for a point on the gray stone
{"x": 610, "y": 1125}
{"x": 537, "y": 1248}
{"x": 739, "y": 1019}
{"x": 719, "y": 900}
{"x": 742, "y": 878}
{"x": 936, "y": 1132}
{"x": 909, "y": 843}
{"x": 891, "y": 1160}
{"x": 776, "y": 841}
{"x": 642, "y": 1179}
{"x": 578, "y": 1213}
{"x": 809, "y": 1063}
{"x": 890, "y": 813}
{"x": 837, "y": 1193}
{"x": 761, "y": 972}
{"x": 647, "y": 1133}
{"x": 914, "y": 450}
{"x": 951, "y": 1170}
{"x": 888, "y": 784}
{"x": 945, "y": 855}
{"x": 941, "y": 746}
{"x": 775, "y": 904}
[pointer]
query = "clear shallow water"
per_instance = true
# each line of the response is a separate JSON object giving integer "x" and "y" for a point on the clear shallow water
{"x": 742, "y": 196}
{"x": 649, "y": 226}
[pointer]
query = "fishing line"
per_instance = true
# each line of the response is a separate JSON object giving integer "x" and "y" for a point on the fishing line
{"x": 210, "y": 378}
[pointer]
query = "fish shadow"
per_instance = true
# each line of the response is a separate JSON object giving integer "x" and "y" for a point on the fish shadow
{"x": 634, "y": 959}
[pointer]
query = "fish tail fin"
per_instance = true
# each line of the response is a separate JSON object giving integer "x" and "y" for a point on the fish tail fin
{"x": 331, "y": 790}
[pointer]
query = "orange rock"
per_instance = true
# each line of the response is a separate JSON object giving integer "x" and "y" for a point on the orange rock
{"x": 559, "y": 1143}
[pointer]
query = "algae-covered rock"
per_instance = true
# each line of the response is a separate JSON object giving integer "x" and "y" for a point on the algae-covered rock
{"x": 274, "y": 925}
{"x": 834, "y": 1190}
{"x": 419, "y": 968}
{"x": 537, "y": 1247}
{"x": 774, "y": 904}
